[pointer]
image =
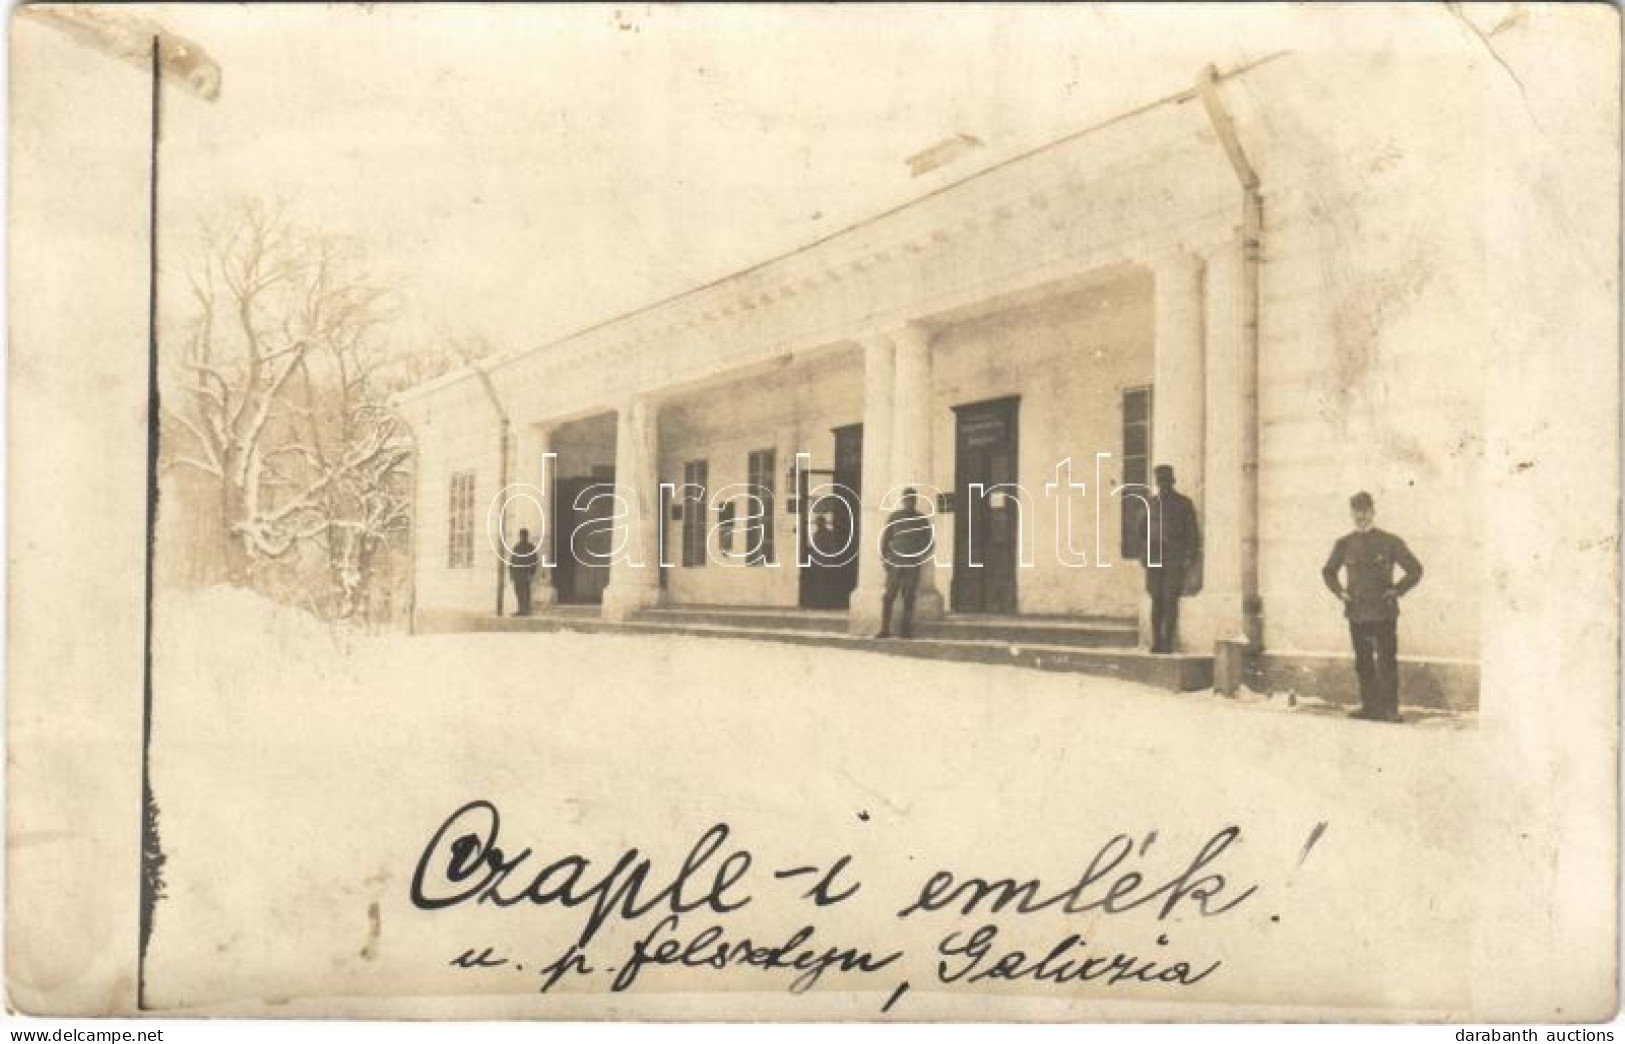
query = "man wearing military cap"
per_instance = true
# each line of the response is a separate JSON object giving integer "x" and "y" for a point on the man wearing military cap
{"x": 906, "y": 545}
{"x": 1371, "y": 604}
{"x": 522, "y": 571}
{"x": 1168, "y": 542}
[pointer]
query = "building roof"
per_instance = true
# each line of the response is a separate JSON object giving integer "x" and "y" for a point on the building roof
{"x": 503, "y": 358}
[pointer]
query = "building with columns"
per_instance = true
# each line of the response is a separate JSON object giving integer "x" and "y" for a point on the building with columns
{"x": 1232, "y": 280}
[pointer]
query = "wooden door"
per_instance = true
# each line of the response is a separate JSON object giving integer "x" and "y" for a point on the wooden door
{"x": 986, "y": 521}
{"x": 830, "y": 525}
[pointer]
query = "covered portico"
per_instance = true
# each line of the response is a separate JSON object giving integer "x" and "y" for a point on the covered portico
{"x": 973, "y": 341}
{"x": 745, "y": 487}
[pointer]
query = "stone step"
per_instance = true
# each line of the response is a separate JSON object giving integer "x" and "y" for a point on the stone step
{"x": 1178, "y": 673}
{"x": 1090, "y": 633}
{"x": 1085, "y": 632}
{"x": 831, "y": 621}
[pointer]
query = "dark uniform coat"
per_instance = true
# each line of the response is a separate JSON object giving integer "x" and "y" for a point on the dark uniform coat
{"x": 908, "y": 539}
{"x": 1370, "y": 558}
{"x": 522, "y": 563}
{"x": 1170, "y": 530}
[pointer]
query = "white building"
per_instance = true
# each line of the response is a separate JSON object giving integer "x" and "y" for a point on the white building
{"x": 1257, "y": 280}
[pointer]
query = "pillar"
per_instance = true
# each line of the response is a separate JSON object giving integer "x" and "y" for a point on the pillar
{"x": 786, "y": 525}
{"x": 879, "y": 376}
{"x": 634, "y": 579}
{"x": 1179, "y": 404}
{"x": 911, "y": 442}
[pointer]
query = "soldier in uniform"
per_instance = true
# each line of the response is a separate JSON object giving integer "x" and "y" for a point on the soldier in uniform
{"x": 1371, "y": 604}
{"x": 906, "y": 545}
{"x": 1169, "y": 534}
{"x": 522, "y": 570}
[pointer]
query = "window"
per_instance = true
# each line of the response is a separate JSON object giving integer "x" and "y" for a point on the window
{"x": 460, "y": 522}
{"x": 1136, "y": 463}
{"x": 759, "y": 523}
{"x": 695, "y": 476}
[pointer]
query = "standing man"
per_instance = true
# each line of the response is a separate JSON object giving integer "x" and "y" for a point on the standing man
{"x": 522, "y": 570}
{"x": 906, "y": 545}
{"x": 1371, "y": 603}
{"x": 1168, "y": 543}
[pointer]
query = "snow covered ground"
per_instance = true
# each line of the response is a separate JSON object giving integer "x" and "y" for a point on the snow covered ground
{"x": 300, "y": 771}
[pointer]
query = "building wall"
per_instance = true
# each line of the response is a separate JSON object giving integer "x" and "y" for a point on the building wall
{"x": 1069, "y": 359}
{"x": 789, "y": 413}
{"x": 1371, "y": 336}
{"x": 456, "y": 431}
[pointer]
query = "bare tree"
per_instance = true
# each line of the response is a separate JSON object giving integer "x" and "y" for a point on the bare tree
{"x": 282, "y": 409}
{"x": 445, "y": 351}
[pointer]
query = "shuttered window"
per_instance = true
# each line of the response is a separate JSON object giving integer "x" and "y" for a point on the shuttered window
{"x": 759, "y": 521}
{"x": 460, "y": 522}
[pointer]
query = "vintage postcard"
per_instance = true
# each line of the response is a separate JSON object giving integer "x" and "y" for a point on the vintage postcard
{"x": 1092, "y": 512}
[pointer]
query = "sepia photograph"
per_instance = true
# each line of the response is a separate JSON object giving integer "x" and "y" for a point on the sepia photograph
{"x": 867, "y": 513}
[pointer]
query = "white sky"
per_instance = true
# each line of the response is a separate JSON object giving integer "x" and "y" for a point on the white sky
{"x": 523, "y": 172}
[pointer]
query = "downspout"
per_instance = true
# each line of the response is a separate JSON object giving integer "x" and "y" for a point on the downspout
{"x": 1252, "y": 231}
{"x": 502, "y": 469}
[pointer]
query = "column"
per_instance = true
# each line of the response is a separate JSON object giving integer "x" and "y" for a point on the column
{"x": 879, "y": 375}
{"x": 634, "y": 579}
{"x": 1179, "y": 393}
{"x": 786, "y": 524}
{"x": 1179, "y": 406}
{"x": 1222, "y": 521}
{"x": 911, "y": 443}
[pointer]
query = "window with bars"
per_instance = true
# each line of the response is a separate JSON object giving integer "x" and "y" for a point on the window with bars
{"x": 1136, "y": 465}
{"x": 759, "y": 523}
{"x": 460, "y": 522}
{"x": 695, "y": 476}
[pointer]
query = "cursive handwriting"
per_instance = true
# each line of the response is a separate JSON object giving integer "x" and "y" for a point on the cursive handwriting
{"x": 970, "y": 958}
{"x": 477, "y": 959}
{"x": 712, "y": 949}
{"x": 684, "y": 910}
{"x": 463, "y": 863}
{"x": 1126, "y": 891}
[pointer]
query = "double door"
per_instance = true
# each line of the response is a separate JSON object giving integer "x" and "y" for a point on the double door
{"x": 987, "y": 520}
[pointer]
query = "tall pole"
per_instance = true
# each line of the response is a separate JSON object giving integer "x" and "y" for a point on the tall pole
{"x": 152, "y": 859}
{"x": 143, "y": 42}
